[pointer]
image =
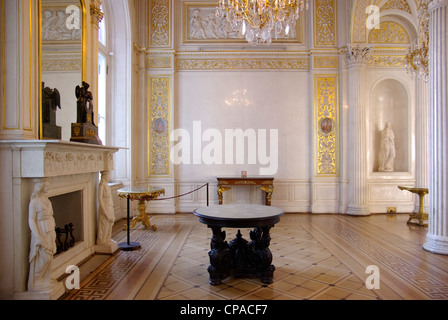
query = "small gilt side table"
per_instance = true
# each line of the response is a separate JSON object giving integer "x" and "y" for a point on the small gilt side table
{"x": 421, "y": 215}
{"x": 142, "y": 194}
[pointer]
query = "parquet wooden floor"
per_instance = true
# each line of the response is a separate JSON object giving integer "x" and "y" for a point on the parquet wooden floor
{"x": 317, "y": 257}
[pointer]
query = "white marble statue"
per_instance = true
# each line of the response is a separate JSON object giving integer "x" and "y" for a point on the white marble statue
{"x": 387, "y": 150}
{"x": 106, "y": 215}
{"x": 43, "y": 239}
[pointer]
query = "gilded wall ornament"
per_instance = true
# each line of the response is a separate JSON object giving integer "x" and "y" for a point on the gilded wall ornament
{"x": 160, "y": 23}
{"x": 326, "y": 115}
{"x": 389, "y": 32}
{"x": 159, "y": 121}
{"x": 325, "y": 22}
{"x": 96, "y": 15}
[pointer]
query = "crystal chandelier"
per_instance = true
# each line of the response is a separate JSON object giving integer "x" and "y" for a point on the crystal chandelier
{"x": 261, "y": 20}
{"x": 417, "y": 61}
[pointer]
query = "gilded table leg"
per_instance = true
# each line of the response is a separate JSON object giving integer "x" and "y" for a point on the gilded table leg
{"x": 269, "y": 191}
{"x": 221, "y": 190}
{"x": 143, "y": 217}
{"x": 421, "y": 216}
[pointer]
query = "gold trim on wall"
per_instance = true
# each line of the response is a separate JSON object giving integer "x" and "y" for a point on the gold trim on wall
{"x": 326, "y": 62}
{"x": 159, "y": 124}
{"x": 326, "y": 126}
{"x": 39, "y": 57}
{"x": 191, "y": 64}
{"x": 388, "y": 61}
{"x": 30, "y": 126}
{"x": 3, "y": 35}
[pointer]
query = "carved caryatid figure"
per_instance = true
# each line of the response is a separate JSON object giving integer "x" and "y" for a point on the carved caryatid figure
{"x": 387, "y": 149}
{"x": 84, "y": 104}
{"x": 43, "y": 238}
{"x": 106, "y": 216}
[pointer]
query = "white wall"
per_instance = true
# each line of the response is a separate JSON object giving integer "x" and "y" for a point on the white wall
{"x": 272, "y": 100}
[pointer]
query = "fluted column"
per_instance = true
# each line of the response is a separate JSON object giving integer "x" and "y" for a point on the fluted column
{"x": 421, "y": 140}
{"x": 437, "y": 237}
{"x": 357, "y": 58}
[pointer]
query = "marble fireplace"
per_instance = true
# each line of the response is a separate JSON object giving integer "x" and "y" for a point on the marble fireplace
{"x": 72, "y": 171}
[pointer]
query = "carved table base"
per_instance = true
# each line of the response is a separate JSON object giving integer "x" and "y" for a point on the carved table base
{"x": 240, "y": 257}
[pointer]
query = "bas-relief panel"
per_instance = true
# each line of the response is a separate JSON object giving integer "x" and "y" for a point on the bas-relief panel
{"x": 200, "y": 25}
{"x": 54, "y": 27}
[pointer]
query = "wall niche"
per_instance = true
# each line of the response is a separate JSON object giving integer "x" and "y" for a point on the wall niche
{"x": 389, "y": 102}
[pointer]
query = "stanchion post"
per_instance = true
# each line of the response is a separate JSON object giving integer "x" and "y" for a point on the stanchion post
{"x": 207, "y": 196}
{"x": 128, "y": 226}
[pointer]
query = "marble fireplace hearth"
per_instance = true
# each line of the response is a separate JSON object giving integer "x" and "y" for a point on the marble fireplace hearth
{"x": 72, "y": 171}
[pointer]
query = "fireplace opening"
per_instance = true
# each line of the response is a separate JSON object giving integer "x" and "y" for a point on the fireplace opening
{"x": 68, "y": 216}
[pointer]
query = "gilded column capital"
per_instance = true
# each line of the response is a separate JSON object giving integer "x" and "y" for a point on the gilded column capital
{"x": 96, "y": 14}
{"x": 357, "y": 54}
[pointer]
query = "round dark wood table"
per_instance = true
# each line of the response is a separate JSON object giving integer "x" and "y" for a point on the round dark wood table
{"x": 239, "y": 257}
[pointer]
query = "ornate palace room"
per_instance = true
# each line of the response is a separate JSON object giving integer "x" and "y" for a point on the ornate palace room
{"x": 236, "y": 150}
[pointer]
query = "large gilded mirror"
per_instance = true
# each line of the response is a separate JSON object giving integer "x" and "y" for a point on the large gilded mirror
{"x": 62, "y": 66}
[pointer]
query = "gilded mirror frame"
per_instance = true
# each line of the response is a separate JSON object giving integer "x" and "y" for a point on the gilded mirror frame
{"x": 83, "y": 55}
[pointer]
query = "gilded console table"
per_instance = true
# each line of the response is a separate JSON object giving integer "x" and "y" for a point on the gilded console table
{"x": 142, "y": 194}
{"x": 266, "y": 184}
{"x": 421, "y": 215}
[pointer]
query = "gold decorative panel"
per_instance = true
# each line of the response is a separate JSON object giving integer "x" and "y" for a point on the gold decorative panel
{"x": 160, "y": 62}
{"x": 326, "y": 102}
{"x": 160, "y": 23}
{"x": 389, "y": 33}
{"x": 159, "y": 121}
{"x": 326, "y": 62}
{"x": 325, "y": 22}
{"x": 397, "y": 4}
{"x": 387, "y": 61}
{"x": 196, "y": 64}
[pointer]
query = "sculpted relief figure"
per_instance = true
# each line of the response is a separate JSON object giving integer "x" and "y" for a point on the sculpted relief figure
{"x": 43, "y": 238}
{"x": 387, "y": 149}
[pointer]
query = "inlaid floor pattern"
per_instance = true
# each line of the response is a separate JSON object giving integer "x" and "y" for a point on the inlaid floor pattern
{"x": 317, "y": 257}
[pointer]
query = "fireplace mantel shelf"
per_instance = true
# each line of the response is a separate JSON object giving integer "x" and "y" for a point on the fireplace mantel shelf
{"x": 50, "y": 158}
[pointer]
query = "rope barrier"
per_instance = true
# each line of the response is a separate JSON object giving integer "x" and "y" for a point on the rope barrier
{"x": 181, "y": 195}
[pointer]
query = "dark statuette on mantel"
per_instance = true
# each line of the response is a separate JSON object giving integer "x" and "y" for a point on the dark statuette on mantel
{"x": 85, "y": 130}
{"x": 51, "y": 101}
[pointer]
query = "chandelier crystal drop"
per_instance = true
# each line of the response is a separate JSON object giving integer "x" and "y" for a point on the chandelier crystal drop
{"x": 261, "y": 20}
